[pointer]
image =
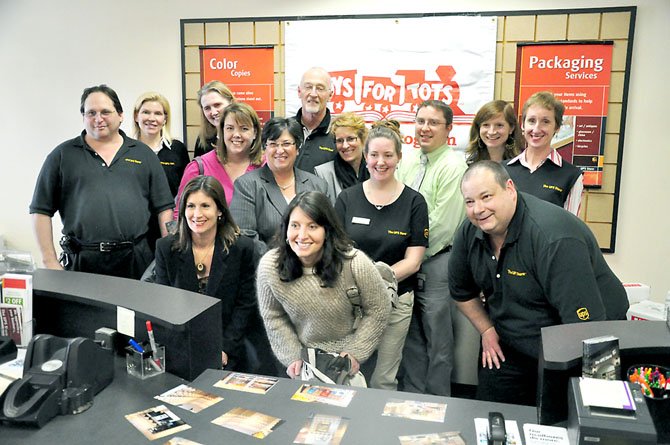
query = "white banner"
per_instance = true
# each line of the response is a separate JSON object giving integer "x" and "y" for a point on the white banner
{"x": 384, "y": 68}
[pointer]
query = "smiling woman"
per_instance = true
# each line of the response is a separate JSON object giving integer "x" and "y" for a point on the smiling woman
{"x": 302, "y": 293}
{"x": 262, "y": 196}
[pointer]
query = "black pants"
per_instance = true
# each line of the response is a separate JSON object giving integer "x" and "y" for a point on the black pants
{"x": 515, "y": 382}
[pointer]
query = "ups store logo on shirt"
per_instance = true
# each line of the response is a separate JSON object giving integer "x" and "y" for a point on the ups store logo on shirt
{"x": 321, "y": 147}
{"x": 583, "y": 314}
{"x": 132, "y": 161}
{"x": 516, "y": 273}
{"x": 552, "y": 187}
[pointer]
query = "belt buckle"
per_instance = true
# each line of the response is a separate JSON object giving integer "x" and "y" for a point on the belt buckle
{"x": 106, "y": 247}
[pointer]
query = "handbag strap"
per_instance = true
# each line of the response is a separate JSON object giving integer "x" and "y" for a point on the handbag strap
{"x": 201, "y": 166}
{"x": 353, "y": 294}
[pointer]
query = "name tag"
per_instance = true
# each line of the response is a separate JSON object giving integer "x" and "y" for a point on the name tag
{"x": 359, "y": 220}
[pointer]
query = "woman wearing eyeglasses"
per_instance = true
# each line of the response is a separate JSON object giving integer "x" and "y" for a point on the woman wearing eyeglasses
{"x": 348, "y": 168}
{"x": 238, "y": 151}
{"x": 262, "y": 196}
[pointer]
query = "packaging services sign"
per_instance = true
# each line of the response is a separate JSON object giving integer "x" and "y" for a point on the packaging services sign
{"x": 384, "y": 68}
{"x": 247, "y": 71}
{"x": 578, "y": 74}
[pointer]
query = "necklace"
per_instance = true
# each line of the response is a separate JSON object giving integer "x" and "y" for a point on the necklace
{"x": 200, "y": 265}
{"x": 379, "y": 207}
{"x": 284, "y": 187}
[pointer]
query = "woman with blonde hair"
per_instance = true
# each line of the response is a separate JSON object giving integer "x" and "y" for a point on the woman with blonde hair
{"x": 389, "y": 222}
{"x": 238, "y": 150}
{"x": 540, "y": 170}
{"x": 494, "y": 133}
{"x": 213, "y": 98}
{"x": 348, "y": 168}
{"x": 151, "y": 124}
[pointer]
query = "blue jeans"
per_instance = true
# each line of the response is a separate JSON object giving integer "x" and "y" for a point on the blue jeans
{"x": 428, "y": 356}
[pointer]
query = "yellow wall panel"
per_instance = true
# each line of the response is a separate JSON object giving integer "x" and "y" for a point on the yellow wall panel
{"x": 192, "y": 59}
{"x": 615, "y": 25}
{"x": 242, "y": 33}
{"x": 616, "y": 87}
{"x": 509, "y": 57}
{"x": 497, "y": 87}
{"x": 613, "y": 118}
{"x": 192, "y": 112}
{"x": 602, "y": 232}
{"x": 194, "y": 34}
{"x": 192, "y": 86}
{"x": 507, "y": 87}
{"x": 267, "y": 33}
{"x": 609, "y": 178}
{"x": 499, "y": 54}
{"x": 583, "y": 26}
{"x": 520, "y": 27}
{"x": 619, "y": 55}
{"x": 552, "y": 27}
{"x": 500, "y": 33}
{"x": 611, "y": 148}
{"x": 192, "y": 135}
{"x": 217, "y": 33}
{"x": 600, "y": 207}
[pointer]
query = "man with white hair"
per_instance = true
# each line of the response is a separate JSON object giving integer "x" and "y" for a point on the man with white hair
{"x": 315, "y": 90}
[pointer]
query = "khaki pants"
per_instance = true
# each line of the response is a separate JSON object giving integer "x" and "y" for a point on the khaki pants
{"x": 389, "y": 351}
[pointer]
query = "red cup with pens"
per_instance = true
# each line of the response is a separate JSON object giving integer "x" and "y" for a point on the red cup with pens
{"x": 147, "y": 359}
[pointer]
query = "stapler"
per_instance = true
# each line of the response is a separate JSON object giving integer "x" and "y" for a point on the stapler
{"x": 60, "y": 376}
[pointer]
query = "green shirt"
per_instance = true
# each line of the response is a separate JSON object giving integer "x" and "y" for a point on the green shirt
{"x": 441, "y": 190}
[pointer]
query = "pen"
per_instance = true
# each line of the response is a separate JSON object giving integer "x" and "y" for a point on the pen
{"x": 152, "y": 340}
{"x": 140, "y": 349}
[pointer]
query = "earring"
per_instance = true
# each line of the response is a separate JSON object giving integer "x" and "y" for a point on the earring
{"x": 287, "y": 241}
{"x": 219, "y": 218}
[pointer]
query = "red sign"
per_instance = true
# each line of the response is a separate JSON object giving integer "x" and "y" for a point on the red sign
{"x": 578, "y": 74}
{"x": 248, "y": 72}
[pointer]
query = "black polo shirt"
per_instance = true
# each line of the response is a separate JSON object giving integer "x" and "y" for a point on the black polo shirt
{"x": 99, "y": 202}
{"x": 318, "y": 148}
{"x": 550, "y": 271}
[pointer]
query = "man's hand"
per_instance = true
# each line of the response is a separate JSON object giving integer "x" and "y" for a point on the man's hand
{"x": 492, "y": 355}
{"x": 294, "y": 369}
{"x": 355, "y": 366}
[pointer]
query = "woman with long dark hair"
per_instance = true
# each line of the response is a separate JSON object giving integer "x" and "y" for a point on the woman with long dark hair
{"x": 302, "y": 293}
{"x": 208, "y": 255}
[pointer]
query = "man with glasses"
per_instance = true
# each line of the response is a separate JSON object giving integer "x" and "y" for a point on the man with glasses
{"x": 318, "y": 147}
{"x": 105, "y": 186}
{"x": 434, "y": 171}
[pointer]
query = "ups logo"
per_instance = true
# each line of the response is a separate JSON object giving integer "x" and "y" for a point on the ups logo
{"x": 583, "y": 314}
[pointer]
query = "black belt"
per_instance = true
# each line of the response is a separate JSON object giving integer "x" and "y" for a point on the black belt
{"x": 108, "y": 246}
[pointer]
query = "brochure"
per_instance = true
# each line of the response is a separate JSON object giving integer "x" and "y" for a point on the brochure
{"x": 246, "y": 421}
{"x": 256, "y": 384}
{"x": 322, "y": 429}
{"x": 545, "y": 435}
{"x": 181, "y": 441}
{"x": 324, "y": 394}
{"x": 448, "y": 438}
{"x": 189, "y": 398}
{"x": 415, "y": 410}
{"x": 157, "y": 422}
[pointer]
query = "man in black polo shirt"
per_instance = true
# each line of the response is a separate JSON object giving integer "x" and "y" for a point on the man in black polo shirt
{"x": 537, "y": 265}
{"x": 315, "y": 91}
{"x": 105, "y": 187}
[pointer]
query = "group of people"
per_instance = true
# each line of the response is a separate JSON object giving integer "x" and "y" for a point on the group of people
{"x": 267, "y": 218}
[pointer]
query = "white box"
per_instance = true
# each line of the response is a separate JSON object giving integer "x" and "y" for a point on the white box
{"x": 646, "y": 310}
{"x": 637, "y": 292}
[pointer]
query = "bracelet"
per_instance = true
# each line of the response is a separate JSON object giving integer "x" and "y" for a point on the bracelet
{"x": 486, "y": 330}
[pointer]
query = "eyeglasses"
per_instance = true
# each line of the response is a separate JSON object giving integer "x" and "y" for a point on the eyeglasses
{"x": 431, "y": 122}
{"x": 319, "y": 88}
{"x": 90, "y": 114}
{"x": 350, "y": 140}
{"x": 285, "y": 145}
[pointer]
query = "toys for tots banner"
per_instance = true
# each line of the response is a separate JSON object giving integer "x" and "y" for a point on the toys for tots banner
{"x": 248, "y": 72}
{"x": 578, "y": 74}
{"x": 384, "y": 68}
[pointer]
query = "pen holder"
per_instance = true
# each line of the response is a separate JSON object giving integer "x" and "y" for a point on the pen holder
{"x": 145, "y": 364}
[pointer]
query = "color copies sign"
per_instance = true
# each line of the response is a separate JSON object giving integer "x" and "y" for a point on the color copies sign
{"x": 578, "y": 74}
{"x": 384, "y": 68}
{"x": 247, "y": 71}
